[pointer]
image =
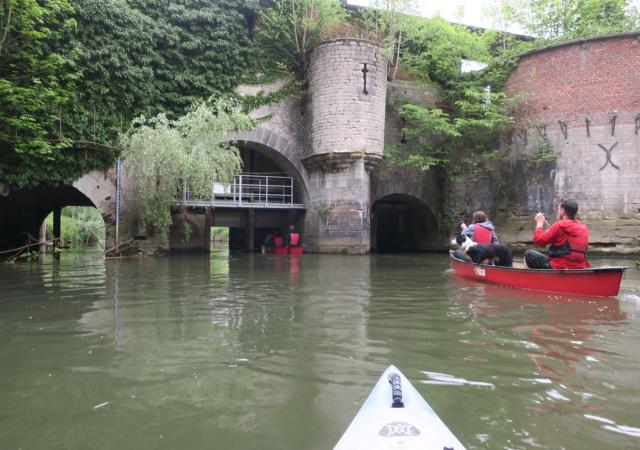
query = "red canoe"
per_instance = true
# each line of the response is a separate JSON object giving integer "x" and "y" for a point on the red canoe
{"x": 296, "y": 249}
{"x": 291, "y": 250}
{"x": 598, "y": 281}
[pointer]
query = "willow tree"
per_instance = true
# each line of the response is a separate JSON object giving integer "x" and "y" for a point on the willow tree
{"x": 165, "y": 156}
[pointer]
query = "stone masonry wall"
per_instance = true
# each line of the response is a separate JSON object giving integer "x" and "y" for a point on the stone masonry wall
{"x": 345, "y": 124}
{"x": 343, "y": 118}
{"x": 584, "y": 97}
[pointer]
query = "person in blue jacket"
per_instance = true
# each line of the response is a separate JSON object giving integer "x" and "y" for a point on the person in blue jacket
{"x": 481, "y": 230}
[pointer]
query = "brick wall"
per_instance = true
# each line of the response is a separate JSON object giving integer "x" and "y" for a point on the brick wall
{"x": 580, "y": 79}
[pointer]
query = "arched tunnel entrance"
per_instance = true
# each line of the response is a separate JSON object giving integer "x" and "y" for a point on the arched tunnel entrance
{"x": 262, "y": 166}
{"x": 267, "y": 197}
{"x": 403, "y": 223}
{"x": 23, "y": 212}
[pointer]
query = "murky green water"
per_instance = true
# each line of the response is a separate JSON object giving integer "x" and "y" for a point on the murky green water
{"x": 269, "y": 352}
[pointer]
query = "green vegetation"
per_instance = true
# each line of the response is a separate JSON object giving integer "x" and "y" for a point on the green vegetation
{"x": 219, "y": 234}
{"x": 473, "y": 111}
{"x": 289, "y": 29}
{"x": 389, "y": 22}
{"x": 251, "y": 102}
{"x": 37, "y": 73}
{"x": 321, "y": 207}
{"x": 544, "y": 153}
{"x": 169, "y": 155}
{"x": 570, "y": 19}
{"x": 82, "y": 70}
{"x": 37, "y": 79}
{"x": 79, "y": 225}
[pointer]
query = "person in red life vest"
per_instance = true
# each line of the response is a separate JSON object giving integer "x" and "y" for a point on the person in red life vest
{"x": 293, "y": 238}
{"x": 481, "y": 230}
{"x": 568, "y": 239}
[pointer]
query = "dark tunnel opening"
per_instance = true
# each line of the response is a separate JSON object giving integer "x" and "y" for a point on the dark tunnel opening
{"x": 403, "y": 224}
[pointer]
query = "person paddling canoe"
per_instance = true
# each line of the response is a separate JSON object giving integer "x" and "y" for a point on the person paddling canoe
{"x": 568, "y": 239}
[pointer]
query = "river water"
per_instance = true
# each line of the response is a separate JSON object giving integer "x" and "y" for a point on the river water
{"x": 276, "y": 352}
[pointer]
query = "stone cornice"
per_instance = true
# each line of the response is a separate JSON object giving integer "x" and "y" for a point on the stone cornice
{"x": 338, "y": 161}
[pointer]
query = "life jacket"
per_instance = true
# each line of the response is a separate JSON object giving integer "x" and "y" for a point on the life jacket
{"x": 481, "y": 235}
{"x": 294, "y": 238}
{"x": 278, "y": 241}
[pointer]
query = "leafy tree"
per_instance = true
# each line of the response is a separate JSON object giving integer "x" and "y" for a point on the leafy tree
{"x": 289, "y": 29}
{"x": 436, "y": 48}
{"x": 166, "y": 155}
{"x": 123, "y": 59}
{"x": 472, "y": 112}
{"x": 391, "y": 21}
{"x": 569, "y": 19}
{"x": 480, "y": 118}
{"x": 80, "y": 225}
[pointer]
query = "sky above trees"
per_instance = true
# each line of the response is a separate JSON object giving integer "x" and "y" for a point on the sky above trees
{"x": 467, "y": 12}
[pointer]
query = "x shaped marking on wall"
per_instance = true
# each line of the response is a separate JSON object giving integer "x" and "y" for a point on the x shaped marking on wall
{"x": 608, "y": 152}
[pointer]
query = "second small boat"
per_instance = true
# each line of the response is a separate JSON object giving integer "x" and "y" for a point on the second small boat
{"x": 596, "y": 281}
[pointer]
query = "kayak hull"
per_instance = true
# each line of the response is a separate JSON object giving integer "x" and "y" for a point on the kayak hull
{"x": 378, "y": 426}
{"x": 597, "y": 281}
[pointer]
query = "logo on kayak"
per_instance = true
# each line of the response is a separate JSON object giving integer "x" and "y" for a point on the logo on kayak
{"x": 479, "y": 271}
{"x": 394, "y": 429}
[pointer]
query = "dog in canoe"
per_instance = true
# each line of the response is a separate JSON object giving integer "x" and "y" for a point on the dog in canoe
{"x": 494, "y": 254}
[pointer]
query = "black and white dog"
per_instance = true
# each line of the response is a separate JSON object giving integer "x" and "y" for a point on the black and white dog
{"x": 495, "y": 254}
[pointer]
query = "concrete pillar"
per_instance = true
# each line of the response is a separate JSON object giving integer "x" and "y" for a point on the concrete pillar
{"x": 56, "y": 229}
{"x": 208, "y": 223}
{"x": 43, "y": 238}
{"x": 250, "y": 229}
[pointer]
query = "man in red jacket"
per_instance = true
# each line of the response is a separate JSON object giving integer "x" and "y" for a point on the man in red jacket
{"x": 569, "y": 239}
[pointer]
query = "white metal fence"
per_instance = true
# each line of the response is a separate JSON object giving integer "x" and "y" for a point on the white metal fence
{"x": 249, "y": 191}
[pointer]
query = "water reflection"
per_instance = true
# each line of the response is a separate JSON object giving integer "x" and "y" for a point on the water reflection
{"x": 554, "y": 328}
{"x": 278, "y": 352}
{"x": 572, "y": 366}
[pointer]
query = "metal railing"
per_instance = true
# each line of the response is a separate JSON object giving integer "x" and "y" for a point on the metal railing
{"x": 249, "y": 191}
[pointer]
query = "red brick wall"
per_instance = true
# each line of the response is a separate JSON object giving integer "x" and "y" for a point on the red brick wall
{"x": 578, "y": 80}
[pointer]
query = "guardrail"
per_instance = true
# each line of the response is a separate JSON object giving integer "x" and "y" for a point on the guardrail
{"x": 250, "y": 191}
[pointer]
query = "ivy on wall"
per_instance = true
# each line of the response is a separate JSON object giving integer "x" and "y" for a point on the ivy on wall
{"x": 99, "y": 64}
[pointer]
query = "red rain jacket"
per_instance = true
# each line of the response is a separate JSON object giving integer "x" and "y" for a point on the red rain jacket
{"x": 572, "y": 231}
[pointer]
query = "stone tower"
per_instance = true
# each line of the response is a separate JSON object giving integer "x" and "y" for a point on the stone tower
{"x": 345, "y": 123}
